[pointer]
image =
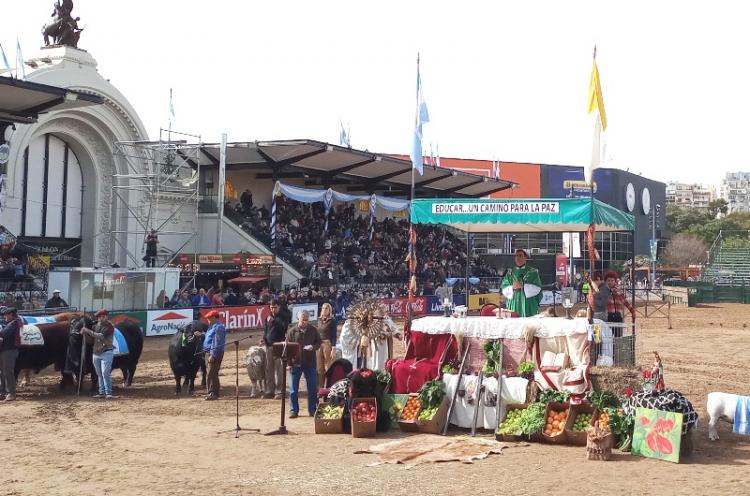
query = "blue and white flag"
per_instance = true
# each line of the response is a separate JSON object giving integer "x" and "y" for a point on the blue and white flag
{"x": 171, "y": 104}
{"x": 19, "y": 61}
{"x": 38, "y": 319}
{"x": 5, "y": 59}
{"x": 119, "y": 344}
{"x": 422, "y": 117}
{"x": 496, "y": 169}
{"x": 344, "y": 139}
{"x": 507, "y": 243}
{"x": 373, "y": 211}
{"x": 328, "y": 202}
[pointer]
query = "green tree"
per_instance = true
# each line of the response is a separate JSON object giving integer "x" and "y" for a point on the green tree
{"x": 681, "y": 219}
{"x": 718, "y": 206}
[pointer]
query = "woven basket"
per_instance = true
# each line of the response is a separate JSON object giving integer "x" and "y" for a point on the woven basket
{"x": 599, "y": 449}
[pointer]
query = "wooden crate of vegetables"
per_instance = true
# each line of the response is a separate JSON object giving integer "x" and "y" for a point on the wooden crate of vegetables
{"x": 329, "y": 419}
{"x": 579, "y": 418}
{"x": 555, "y": 416}
{"x": 510, "y": 429}
{"x": 364, "y": 417}
{"x": 522, "y": 422}
{"x": 434, "y": 413}
{"x": 407, "y": 422}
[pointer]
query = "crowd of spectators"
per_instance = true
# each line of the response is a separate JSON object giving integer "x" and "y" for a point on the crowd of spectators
{"x": 347, "y": 254}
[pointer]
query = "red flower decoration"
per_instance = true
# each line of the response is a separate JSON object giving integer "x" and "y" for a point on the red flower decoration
{"x": 657, "y": 442}
{"x": 663, "y": 425}
{"x": 645, "y": 421}
{"x": 646, "y": 374}
{"x": 628, "y": 392}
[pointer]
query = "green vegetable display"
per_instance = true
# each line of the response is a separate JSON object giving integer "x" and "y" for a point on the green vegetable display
{"x": 529, "y": 420}
{"x": 526, "y": 367}
{"x": 431, "y": 394}
{"x": 547, "y": 395}
{"x": 582, "y": 421}
{"x": 512, "y": 423}
{"x": 532, "y": 421}
{"x": 427, "y": 413}
{"x": 621, "y": 425}
{"x": 330, "y": 412}
{"x": 602, "y": 399}
{"x": 383, "y": 376}
{"x": 491, "y": 355}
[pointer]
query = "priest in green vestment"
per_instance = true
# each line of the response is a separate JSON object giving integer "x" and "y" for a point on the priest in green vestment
{"x": 522, "y": 287}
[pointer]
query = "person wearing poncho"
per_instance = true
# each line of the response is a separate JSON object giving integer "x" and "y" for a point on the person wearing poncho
{"x": 522, "y": 287}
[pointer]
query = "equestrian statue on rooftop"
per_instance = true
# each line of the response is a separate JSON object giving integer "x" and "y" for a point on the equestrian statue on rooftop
{"x": 64, "y": 28}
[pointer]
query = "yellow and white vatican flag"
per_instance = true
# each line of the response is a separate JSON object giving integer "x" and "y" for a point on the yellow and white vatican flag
{"x": 596, "y": 107}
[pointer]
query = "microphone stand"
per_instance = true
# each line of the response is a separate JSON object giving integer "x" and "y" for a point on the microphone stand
{"x": 237, "y": 429}
{"x": 284, "y": 359}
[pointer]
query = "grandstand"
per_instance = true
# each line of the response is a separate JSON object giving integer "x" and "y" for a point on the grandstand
{"x": 347, "y": 253}
{"x": 729, "y": 259}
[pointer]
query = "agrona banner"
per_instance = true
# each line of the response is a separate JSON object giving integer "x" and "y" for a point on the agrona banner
{"x": 167, "y": 322}
{"x": 496, "y": 208}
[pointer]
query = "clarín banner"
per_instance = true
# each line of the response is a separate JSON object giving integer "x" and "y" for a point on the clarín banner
{"x": 240, "y": 318}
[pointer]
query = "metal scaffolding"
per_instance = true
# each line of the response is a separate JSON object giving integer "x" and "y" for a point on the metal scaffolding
{"x": 160, "y": 189}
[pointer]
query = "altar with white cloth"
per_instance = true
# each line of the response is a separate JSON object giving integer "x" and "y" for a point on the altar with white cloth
{"x": 529, "y": 338}
{"x": 494, "y": 328}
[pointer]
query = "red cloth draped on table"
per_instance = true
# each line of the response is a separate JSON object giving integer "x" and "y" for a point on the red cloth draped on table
{"x": 425, "y": 355}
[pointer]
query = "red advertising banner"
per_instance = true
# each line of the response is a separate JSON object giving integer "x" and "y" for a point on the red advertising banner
{"x": 237, "y": 318}
{"x": 397, "y": 306}
{"x": 561, "y": 268}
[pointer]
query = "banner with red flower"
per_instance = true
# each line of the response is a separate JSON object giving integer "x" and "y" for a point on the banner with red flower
{"x": 657, "y": 434}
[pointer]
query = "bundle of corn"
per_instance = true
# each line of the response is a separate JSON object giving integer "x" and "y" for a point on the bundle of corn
{"x": 366, "y": 320}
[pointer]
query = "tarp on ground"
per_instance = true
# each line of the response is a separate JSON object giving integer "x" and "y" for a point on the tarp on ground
{"x": 521, "y": 215}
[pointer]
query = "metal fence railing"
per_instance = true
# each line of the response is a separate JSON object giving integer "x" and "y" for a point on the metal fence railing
{"x": 614, "y": 344}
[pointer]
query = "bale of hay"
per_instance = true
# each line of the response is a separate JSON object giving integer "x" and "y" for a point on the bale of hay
{"x": 615, "y": 379}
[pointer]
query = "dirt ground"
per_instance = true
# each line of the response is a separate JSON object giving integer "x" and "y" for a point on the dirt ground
{"x": 147, "y": 442}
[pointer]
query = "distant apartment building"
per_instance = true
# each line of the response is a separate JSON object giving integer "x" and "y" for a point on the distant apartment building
{"x": 735, "y": 189}
{"x": 690, "y": 195}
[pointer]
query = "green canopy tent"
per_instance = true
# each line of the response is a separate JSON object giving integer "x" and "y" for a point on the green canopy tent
{"x": 482, "y": 215}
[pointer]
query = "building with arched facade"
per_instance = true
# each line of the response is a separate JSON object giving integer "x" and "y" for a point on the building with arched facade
{"x": 58, "y": 191}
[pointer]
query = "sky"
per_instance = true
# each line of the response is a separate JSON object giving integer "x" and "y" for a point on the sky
{"x": 503, "y": 80}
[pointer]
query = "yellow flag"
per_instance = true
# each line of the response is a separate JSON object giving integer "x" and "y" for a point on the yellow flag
{"x": 596, "y": 101}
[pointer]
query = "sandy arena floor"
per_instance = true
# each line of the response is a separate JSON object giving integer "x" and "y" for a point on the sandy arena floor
{"x": 147, "y": 442}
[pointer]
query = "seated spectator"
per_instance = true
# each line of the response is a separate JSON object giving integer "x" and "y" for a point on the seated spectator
{"x": 201, "y": 299}
{"x": 56, "y": 301}
{"x": 184, "y": 301}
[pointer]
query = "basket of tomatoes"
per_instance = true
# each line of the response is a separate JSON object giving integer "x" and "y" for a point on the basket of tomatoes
{"x": 555, "y": 417}
{"x": 407, "y": 422}
{"x": 364, "y": 413}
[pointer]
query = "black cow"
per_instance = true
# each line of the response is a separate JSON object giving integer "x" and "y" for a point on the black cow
{"x": 126, "y": 363}
{"x": 52, "y": 352}
{"x": 186, "y": 355}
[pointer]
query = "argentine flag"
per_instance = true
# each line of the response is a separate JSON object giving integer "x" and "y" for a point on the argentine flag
{"x": 422, "y": 117}
{"x": 120, "y": 346}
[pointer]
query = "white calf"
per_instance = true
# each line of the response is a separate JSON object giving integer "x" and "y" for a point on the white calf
{"x": 255, "y": 361}
{"x": 719, "y": 405}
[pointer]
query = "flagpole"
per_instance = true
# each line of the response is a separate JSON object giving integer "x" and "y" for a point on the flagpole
{"x": 592, "y": 257}
{"x": 412, "y": 248}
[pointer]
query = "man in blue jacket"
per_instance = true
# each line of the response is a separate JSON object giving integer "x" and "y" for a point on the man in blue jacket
{"x": 201, "y": 299}
{"x": 213, "y": 346}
